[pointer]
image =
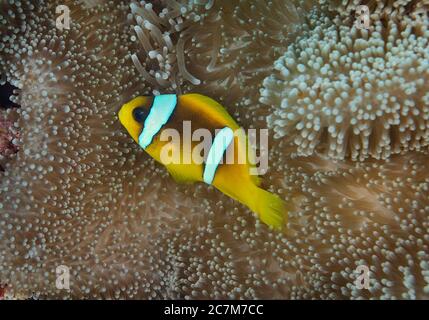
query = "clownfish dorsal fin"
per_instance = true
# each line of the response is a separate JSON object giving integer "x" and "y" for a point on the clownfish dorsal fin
{"x": 209, "y": 107}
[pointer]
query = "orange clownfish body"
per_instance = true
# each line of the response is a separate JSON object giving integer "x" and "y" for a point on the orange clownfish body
{"x": 147, "y": 119}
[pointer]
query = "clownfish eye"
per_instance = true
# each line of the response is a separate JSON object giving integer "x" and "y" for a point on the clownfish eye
{"x": 139, "y": 114}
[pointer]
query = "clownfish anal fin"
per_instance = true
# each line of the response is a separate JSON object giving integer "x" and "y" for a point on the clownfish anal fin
{"x": 181, "y": 173}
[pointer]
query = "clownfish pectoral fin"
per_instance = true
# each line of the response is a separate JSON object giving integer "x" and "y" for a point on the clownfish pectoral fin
{"x": 182, "y": 173}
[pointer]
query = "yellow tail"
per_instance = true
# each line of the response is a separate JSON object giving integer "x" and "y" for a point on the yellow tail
{"x": 271, "y": 209}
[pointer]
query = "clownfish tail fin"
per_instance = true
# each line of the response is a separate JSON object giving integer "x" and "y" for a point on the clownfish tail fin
{"x": 270, "y": 208}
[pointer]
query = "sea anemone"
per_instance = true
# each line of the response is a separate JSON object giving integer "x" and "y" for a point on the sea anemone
{"x": 372, "y": 214}
{"x": 162, "y": 35}
{"x": 68, "y": 97}
{"x": 345, "y": 91}
{"x": 214, "y": 47}
{"x": 8, "y": 138}
{"x": 233, "y": 48}
{"x": 79, "y": 193}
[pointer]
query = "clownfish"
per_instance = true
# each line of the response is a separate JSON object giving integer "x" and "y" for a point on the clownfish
{"x": 145, "y": 118}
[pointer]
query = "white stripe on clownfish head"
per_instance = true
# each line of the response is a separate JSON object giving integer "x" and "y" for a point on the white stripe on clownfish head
{"x": 220, "y": 143}
{"x": 159, "y": 114}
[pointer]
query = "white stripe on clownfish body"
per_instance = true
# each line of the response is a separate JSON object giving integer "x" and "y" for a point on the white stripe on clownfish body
{"x": 220, "y": 143}
{"x": 159, "y": 114}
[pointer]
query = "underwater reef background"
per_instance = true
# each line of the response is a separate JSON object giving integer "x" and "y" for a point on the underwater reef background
{"x": 348, "y": 113}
